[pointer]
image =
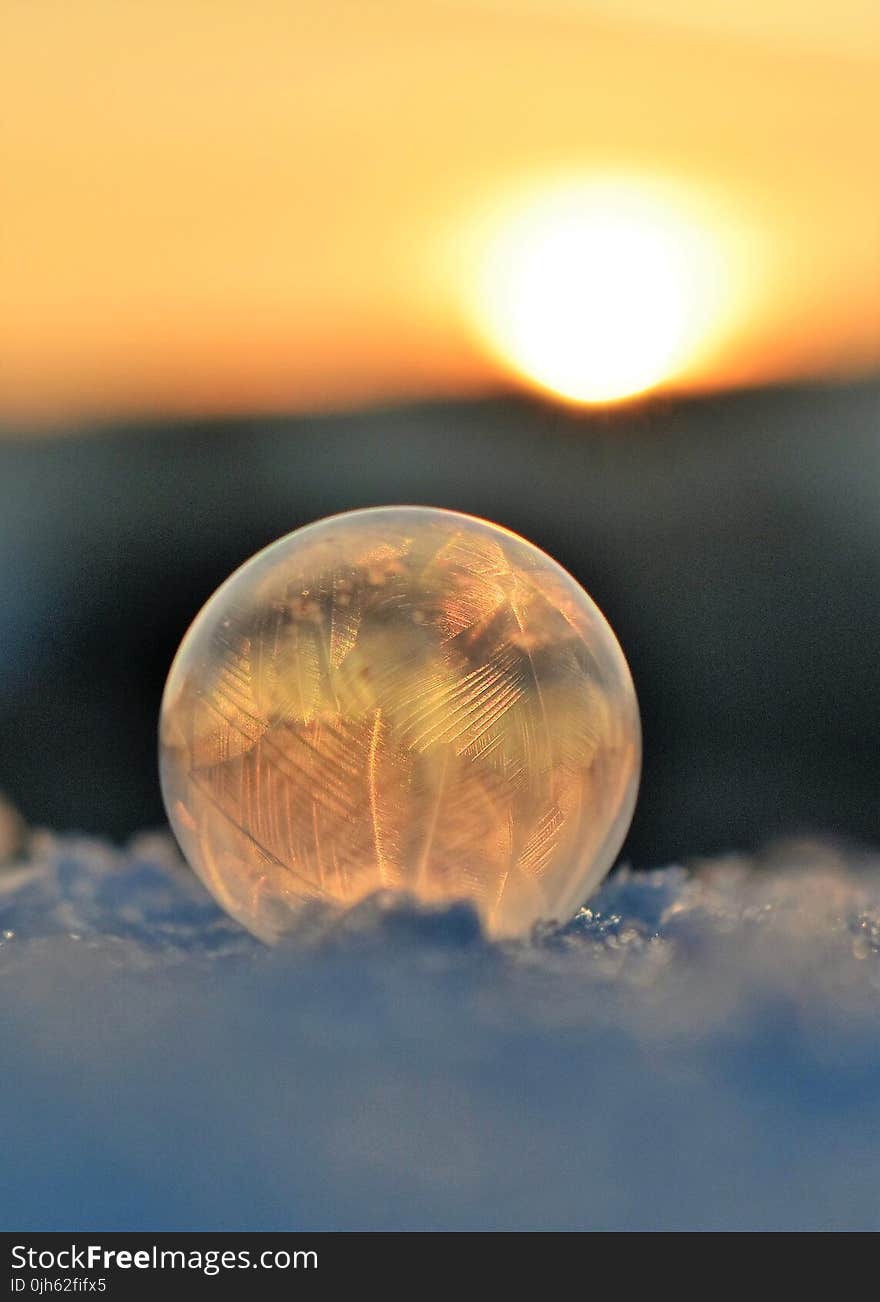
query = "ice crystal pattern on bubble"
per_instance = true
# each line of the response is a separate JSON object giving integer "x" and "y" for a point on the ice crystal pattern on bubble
{"x": 400, "y": 698}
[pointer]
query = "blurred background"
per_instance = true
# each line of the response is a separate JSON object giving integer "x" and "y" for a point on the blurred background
{"x": 608, "y": 274}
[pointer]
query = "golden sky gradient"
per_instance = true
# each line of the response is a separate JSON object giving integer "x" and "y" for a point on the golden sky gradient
{"x": 227, "y": 205}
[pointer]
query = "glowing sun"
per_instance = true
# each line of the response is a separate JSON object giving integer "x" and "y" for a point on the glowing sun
{"x": 599, "y": 290}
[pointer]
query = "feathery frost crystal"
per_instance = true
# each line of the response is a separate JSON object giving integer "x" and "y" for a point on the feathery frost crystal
{"x": 400, "y": 698}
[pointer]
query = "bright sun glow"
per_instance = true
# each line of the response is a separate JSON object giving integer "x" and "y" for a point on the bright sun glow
{"x": 600, "y": 290}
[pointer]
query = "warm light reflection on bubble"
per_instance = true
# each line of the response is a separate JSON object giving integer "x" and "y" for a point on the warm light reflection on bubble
{"x": 600, "y": 289}
{"x": 400, "y": 698}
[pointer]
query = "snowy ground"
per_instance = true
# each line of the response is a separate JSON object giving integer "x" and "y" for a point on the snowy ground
{"x": 698, "y": 1049}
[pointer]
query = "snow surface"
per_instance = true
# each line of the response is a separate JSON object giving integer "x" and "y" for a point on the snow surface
{"x": 698, "y": 1049}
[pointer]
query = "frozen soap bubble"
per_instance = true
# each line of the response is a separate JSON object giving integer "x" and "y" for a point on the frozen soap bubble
{"x": 400, "y": 698}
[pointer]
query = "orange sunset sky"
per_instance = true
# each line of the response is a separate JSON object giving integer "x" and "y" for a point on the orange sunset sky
{"x": 222, "y": 205}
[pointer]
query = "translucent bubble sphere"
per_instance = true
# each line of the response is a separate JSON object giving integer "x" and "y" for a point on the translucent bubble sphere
{"x": 400, "y": 698}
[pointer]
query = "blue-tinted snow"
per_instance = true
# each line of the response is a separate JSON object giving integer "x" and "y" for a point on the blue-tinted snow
{"x": 698, "y": 1049}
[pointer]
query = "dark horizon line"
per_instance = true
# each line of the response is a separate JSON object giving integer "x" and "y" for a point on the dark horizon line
{"x": 514, "y": 397}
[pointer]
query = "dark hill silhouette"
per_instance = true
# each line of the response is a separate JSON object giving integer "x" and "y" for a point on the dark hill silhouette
{"x": 733, "y": 541}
